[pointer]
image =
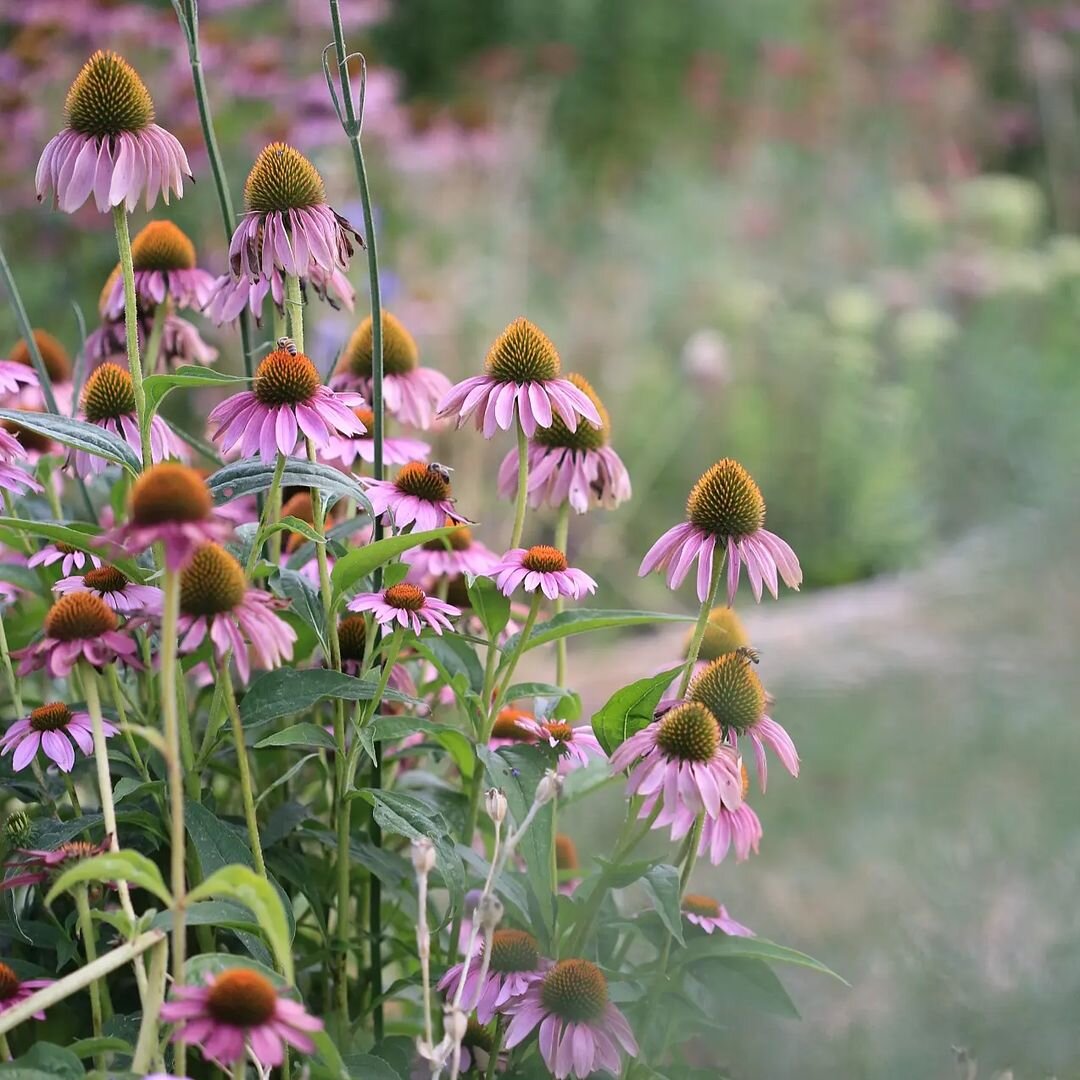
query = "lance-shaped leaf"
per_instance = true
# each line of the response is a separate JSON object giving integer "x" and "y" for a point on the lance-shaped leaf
{"x": 127, "y": 866}
{"x": 77, "y": 434}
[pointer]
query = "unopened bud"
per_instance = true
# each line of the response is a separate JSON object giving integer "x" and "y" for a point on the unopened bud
{"x": 455, "y": 1023}
{"x": 489, "y": 912}
{"x": 17, "y": 828}
{"x": 549, "y": 787}
{"x": 495, "y": 804}
{"x": 423, "y": 855}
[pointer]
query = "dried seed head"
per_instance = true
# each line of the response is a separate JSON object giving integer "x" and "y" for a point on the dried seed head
{"x": 108, "y": 98}
{"x": 688, "y": 732}
{"x": 400, "y": 354}
{"x": 283, "y": 179}
{"x": 241, "y": 997}
{"x": 109, "y": 394}
{"x": 575, "y": 990}
{"x": 522, "y": 353}
{"x": 495, "y": 804}
{"x": 212, "y": 583}
{"x": 549, "y": 787}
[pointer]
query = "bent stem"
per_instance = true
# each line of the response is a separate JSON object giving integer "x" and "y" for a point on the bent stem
{"x": 270, "y": 512}
{"x": 694, "y": 650}
{"x": 174, "y": 767}
{"x": 521, "y": 499}
{"x": 131, "y": 328}
{"x": 246, "y": 790}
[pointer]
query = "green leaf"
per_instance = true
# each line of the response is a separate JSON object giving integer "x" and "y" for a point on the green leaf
{"x": 662, "y": 883}
{"x": 188, "y": 377}
{"x": 223, "y": 913}
{"x": 630, "y": 709}
{"x": 286, "y": 692}
{"x": 107, "y": 1044}
{"x": 567, "y": 703}
{"x": 251, "y": 476}
{"x": 328, "y": 1052}
{"x": 585, "y": 621}
{"x": 726, "y": 947}
{"x": 517, "y": 771}
{"x": 412, "y": 818}
{"x": 305, "y": 601}
{"x": 370, "y": 1067}
{"x": 490, "y": 605}
{"x": 242, "y": 884}
{"x": 44, "y": 1060}
{"x": 457, "y": 657}
{"x": 77, "y": 434}
{"x": 361, "y": 561}
{"x": 306, "y": 551}
{"x": 738, "y": 986}
{"x": 295, "y": 525}
{"x": 79, "y": 535}
{"x": 127, "y": 866}
{"x": 298, "y": 735}
{"x": 198, "y": 967}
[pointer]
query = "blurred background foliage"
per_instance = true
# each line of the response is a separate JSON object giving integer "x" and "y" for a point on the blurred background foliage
{"x": 835, "y": 239}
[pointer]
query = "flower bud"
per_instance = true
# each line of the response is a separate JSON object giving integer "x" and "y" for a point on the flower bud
{"x": 549, "y": 787}
{"x": 489, "y": 912}
{"x": 495, "y": 805}
{"x": 423, "y": 855}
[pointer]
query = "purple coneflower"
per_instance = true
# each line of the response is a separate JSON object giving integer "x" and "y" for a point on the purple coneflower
{"x": 57, "y": 365}
{"x": 286, "y": 402}
{"x": 123, "y": 595}
{"x": 287, "y": 223}
{"x": 456, "y": 553}
{"x": 108, "y": 401}
{"x": 419, "y": 496}
{"x": 578, "y": 467}
{"x": 521, "y": 378}
{"x": 731, "y": 690}
{"x": 705, "y": 912}
{"x": 53, "y": 728}
{"x": 683, "y": 761}
{"x": 229, "y": 296}
{"x": 739, "y": 829}
{"x": 410, "y": 392}
{"x": 345, "y": 450}
{"x": 15, "y": 377}
{"x": 215, "y": 600}
{"x": 13, "y": 478}
{"x": 544, "y": 568}
{"x": 79, "y": 626}
{"x": 110, "y": 145}
{"x": 515, "y": 965}
{"x": 408, "y": 606}
{"x": 725, "y": 508}
{"x": 170, "y": 504}
{"x": 165, "y": 269}
{"x": 580, "y": 1029}
{"x": 70, "y": 558}
{"x": 575, "y": 746}
{"x": 36, "y": 865}
{"x": 13, "y": 989}
{"x": 236, "y": 1010}
{"x": 181, "y": 343}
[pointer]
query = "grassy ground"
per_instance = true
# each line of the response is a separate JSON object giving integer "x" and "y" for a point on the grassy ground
{"x": 929, "y": 852}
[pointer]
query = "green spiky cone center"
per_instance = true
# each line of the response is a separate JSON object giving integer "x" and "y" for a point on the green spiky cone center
{"x": 730, "y": 689}
{"x": 522, "y": 353}
{"x": 726, "y": 502}
{"x": 108, "y": 98}
{"x": 584, "y": 436}
{"x": 400, "y": 354}
{"x": 688, "y": 732}
{"x": 282, "y": 179}
{"x": 109, "y": 394}
{"x": 514, "y": 950}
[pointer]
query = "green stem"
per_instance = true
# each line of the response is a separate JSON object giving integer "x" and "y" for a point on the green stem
{"x": 294, "y": 308}
{"x": 700, "y": 627}
{"x": 147, "y": 1046}
{"x": 496, "y": 1047}
{"x": 117, "y": 694}
{"x": 511, "y": 664}
{"x": 131, "y": 328}
{"x": 189, "y": 22}
{"x": 562, "y": 536}
{"x": 175, "y": 771}
{"x": 9, "y": 672}
{"x": 5, "y": 1050}
{"x": 270, "y": 513}
{"x": 239, "y": 1069}
{"x": 243, "y": 765}
{"x": 86, "y": 928}
{"x": 157, "y": 329}
{"x": 522, "y": 497}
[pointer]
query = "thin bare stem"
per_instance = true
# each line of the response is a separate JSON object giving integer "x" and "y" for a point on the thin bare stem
{"x": 131, "y": 328}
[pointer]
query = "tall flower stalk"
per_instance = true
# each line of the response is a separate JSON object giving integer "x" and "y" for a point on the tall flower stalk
{"x": 131, "y": 328}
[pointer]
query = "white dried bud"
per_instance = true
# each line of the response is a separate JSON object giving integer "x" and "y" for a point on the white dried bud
{"x": 455, "y": 1023}
{"x": 423, "y": 855}
{"x": 549, "y": 787}
{"x": 495, "y": 804}
{"x": 489, "y": 912}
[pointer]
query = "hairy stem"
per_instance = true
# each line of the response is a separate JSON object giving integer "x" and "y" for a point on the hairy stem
{"x": 522, "y": 497}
